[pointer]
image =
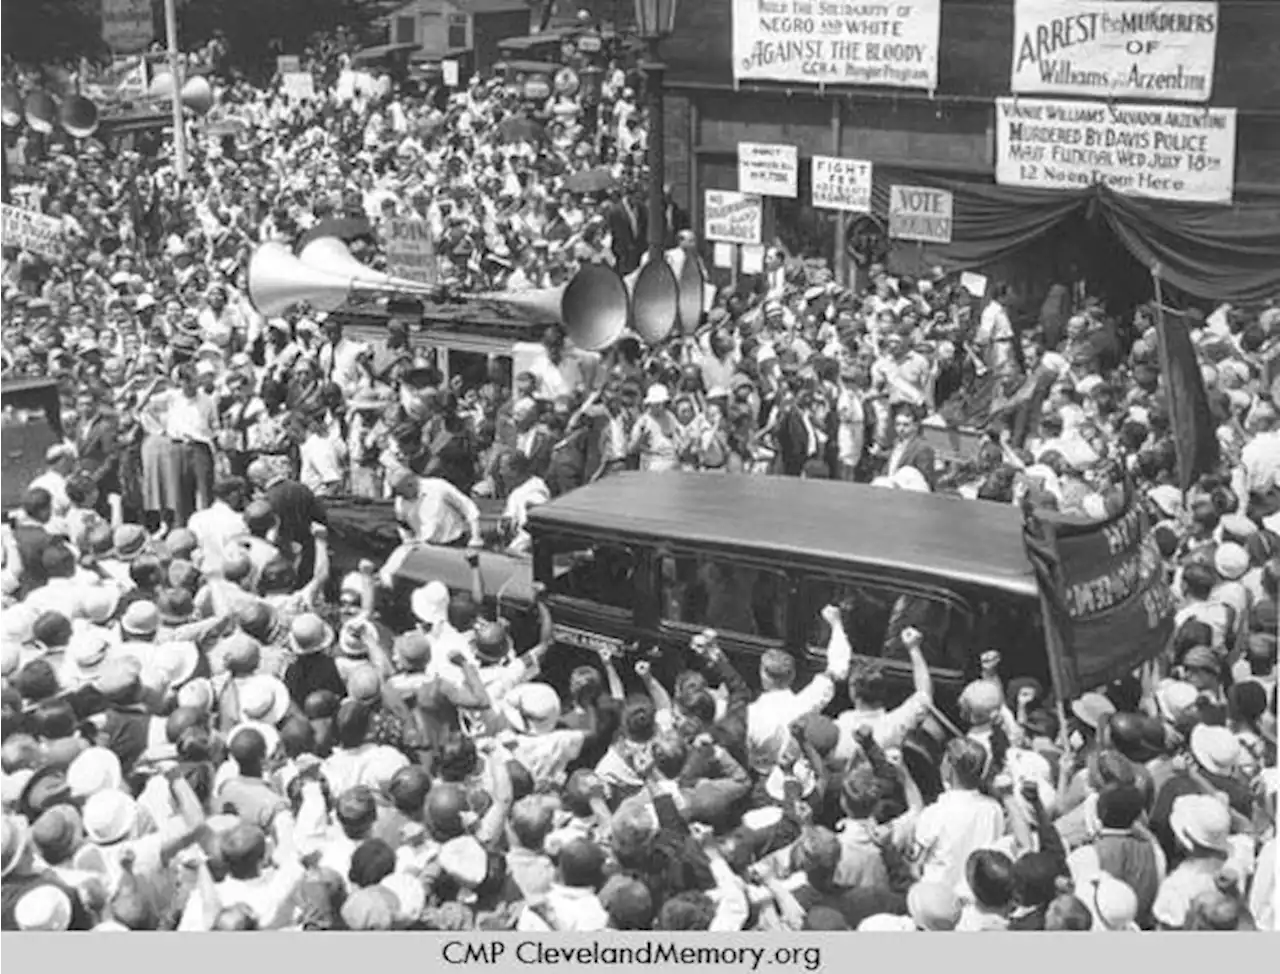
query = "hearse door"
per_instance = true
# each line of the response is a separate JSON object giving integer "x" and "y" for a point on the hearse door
{"x": 591, "y": 591}
{"x": 746, "y": 601}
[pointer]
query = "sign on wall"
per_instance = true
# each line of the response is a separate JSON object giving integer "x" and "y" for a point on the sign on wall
{"x": 32, "y": 232}
{"x": 1162, "y": 152}
{"x": 841, "y": 184}
{"x": 1115, "y": 48}
{"x": 733, "y": 217}
{"x": 920, "y": 213}
{"x": 818, "y": 42}
{"x": 411, "y": 250}
{"x": 768, "y": 170}
{"x": 127, "y": 25}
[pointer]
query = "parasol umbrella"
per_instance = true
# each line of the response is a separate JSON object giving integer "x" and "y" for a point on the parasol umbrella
{"x": 598, "y": 180}
{"x": 345, "y": 228}
{"x": 519, "y": 128}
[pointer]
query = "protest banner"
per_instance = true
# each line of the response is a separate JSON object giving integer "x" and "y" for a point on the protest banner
{"x": 298, "y": 86}
{"x": 768, "y": 170}
{"x": 841, "y": 184}
{"x": 733, "y": 217}
{"x": 127, "y": 25}
{"x": 1115, "y": 48}
{"x": 1162, "y": 152}
{"x": 31, "y": 231}
{"x": 288, "y": 64}
{"x": 889, "y": 44}
{"x": 1106, "y": 605}
{"x": 411, "y": 251}
{"x": 920, "y": 213}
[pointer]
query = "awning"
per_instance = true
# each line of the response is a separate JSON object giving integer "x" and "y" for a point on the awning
{"x": 372, "y": 55}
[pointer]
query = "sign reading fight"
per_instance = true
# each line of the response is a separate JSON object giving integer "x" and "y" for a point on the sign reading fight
{"x": 33, "y": 232}
{"x": 1160, "y": 152}
{"x": 1115, "y": 48}
{"x": 733, "y": 217}
{"x": 920, "y": 213}
{"x": 768, "y": 170}
{"x": 1108, "y": 606}
{"x": 127, "y": 25}
{"x": 837, "y": 42}
{"x": 411, "y": 250}
{"x": 841, "y": 184}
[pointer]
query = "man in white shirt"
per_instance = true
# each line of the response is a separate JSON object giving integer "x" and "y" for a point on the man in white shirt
{"x": 431, "y": 510}
{"x": 888, "y": 727}
{"x": 770, "y": 717}
{"x": 216, "y": 525}
{"x": 995, "y": 336}
{"x": 192, "y": 425}
{"x": 60, "y": 462}
{"x": 340, "y": 359}
{"x": 1257, "y": 479}
{"x": 557, "y": 372}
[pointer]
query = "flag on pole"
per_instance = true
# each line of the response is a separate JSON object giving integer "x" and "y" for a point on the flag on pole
{"x": 1194, "y": 435}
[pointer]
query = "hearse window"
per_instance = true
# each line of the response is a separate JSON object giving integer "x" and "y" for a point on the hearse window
{"x": 875, "y": 615}
{"x": 711, "y": 591}
{"x": 603, "y": 573}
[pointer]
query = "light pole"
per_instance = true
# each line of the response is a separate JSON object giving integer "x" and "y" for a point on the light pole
{"x": 656, "y": 20}
{"x": 179, "y": 120}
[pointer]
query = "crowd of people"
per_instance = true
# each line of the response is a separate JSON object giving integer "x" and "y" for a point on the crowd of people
{"x": 205, "y": 729}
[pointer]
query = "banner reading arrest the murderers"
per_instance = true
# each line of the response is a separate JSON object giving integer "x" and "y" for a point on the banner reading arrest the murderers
{"x": 1108, "y": 608}
{"x": 33, "y": 232}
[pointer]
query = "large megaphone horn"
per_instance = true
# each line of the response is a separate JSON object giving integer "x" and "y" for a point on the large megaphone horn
{"x": 41, "y": 111}
{"x": 331, "y": 255}
{"x": 655, "y": 301}
{"x": 595, "y": 307}
{"x": 691, "y": 287}
{"x": 79, "y": 116}
{"x": 11, "y": 108}
{"x": 197, "y": 95}
{"x": 278, "y": 281}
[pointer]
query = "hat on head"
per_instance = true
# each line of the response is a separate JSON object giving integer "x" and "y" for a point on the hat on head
{"x": 140, "y": 619}
{"x": 87, "y": 652}
{"x": 310, "y": 634}
{"x": 1112, "y": 902}
{"x": 263, "y": 699}
{"x": 1237, "y": 528}
{"x": 370, "y": 908}
{"x": 1175, "y": 698}
{"x": 982, "y": 699}
{"x": 176, "y": 606}
{"x": 1201, "y": 821}
{"x": 1230, "y": 561}
{"x": 532, "y": 707}
{"x": 430, "y": 603}
{"x": 93, "y": 770}
{"x": 118, "y": 678}
{"x": 44, "y": 908}
{"x": 1215, "y": 749}
{"x": 98, "y": 604}
{"x": 181, "y": 542}
{"x": 109, "y": 817}
{"x": 933, "y": 906}
{"x": 464, "y": 859}
{"x": 240, "y": 653}
{"x": 492, "y": 641}
{"x": 363, "y": 683}
{"x": 1092, "y": 709}
{"x": 412, "y": 648}
{"x": 57, "y": 833}
{"x": 1201, "y": 658}
{"x": 129, "y": 541}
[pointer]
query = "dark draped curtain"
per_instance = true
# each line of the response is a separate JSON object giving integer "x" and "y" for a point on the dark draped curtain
{"x": 1218, "y": 253}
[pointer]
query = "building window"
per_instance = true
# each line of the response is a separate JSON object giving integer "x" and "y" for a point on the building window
{"x": 457, "y": 32}
{"x": 406, "y": 30}
{"x": 730, "y": 597}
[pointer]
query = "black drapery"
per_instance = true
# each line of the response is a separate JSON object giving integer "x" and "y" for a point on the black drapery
{"x": 1219, "y": 253}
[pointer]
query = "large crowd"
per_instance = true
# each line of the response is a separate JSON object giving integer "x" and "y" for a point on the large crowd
{"x": 206, "y": 728}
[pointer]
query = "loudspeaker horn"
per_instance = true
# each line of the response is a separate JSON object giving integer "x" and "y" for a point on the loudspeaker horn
{"x": 79, "y": 116}
{"x": 331, "y": 255}
{"x": 595, "y": 307}
{"x": 278, "y": 281}
{"x": 655, "y": 301}
{"x": 161, "y": 85}
{"x": 41, "y": 111}
{"x": 11, "y": 109}
{"x": 692, "y": 297}
{"x": 197, "y": 95}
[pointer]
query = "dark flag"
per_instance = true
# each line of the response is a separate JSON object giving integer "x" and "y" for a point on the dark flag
{"x": 1107, "y": 606}
{"x": 1194, "y": 434}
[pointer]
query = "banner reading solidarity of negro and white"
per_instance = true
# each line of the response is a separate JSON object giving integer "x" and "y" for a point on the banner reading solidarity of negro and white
{"x": 837, "y": 43}
{"x": 733, "y": 217}
{"x": 1115, "y": 48}
{"x": 33, "y": 232}
{"x": 1160, "y": 152}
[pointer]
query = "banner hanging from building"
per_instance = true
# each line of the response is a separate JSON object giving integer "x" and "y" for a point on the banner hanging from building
{"x": 411, "y": 250}
{"x": 920, "y": 213}
{"x": 1115, "y": 49}
{"x": 127, "y": 25}
{"x": 1107, "y": 606}
{"x": 841, "y": 184}
{"x": 816, "y": 42}
{"x": 768, "y": 170}
{"x": 733, "y": 217}
{"x": 32, "y": 232}
{"x": 1155, "y": 151}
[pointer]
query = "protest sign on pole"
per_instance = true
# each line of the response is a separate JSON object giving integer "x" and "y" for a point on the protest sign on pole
{"x": 894, "y": 45}
{"x": 1115, "y": 48}
{"x": 298, "y": 86}
{"x": 31, "y": 231}
{"x": 841, "y": 184}
{"x": 411, "y": 251}
{"x": 920, "y": 213}
{"x": 733, "y": 217}
{"x": 768, "y": 170}
{"x": 1161, "y": 152}
{"x": 128, "y": 26}
{"x": 288, "y": 64}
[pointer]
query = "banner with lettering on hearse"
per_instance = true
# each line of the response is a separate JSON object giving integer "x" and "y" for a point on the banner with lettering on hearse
{"x": 837, "y": 42}
{"x": 1115, "y": 49}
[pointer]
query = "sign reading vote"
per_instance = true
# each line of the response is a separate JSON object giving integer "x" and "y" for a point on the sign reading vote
{"x": 837, "y": 43}
{"x": 841, "y": 184}
{"x": 1115, "y": 48}
{"x": 768, "y": 170}
{"x": 1162, "y": 152}
{"x": 920, "y": 213}
{"x": 733, "y": 217}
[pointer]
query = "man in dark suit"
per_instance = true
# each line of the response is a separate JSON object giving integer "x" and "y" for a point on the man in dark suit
{"x": 97, "y": 446}
{"x": 297, "y": 509}
{"x": 677, "y": 220}
{"x": 909, "y": 447}
{"x": 628, "y": 229}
